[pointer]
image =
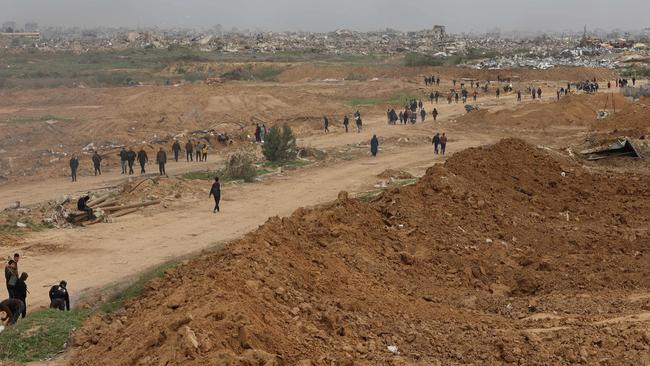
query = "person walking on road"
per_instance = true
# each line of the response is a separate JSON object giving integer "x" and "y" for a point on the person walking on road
{"x": 197, "y": 151}
{"x": 131, "y": 155}
{"x": 189, "y": 151}
{"x": 326, "y": 124}
{"x": 216, "y": 192}
{"x": 435, "y": 141}
{"x": 161, "y": 159}
{"x": 123, "y": 159}
{"x": 434, "y": 114}
{"x": 374, "y": 145}
{"x": 346, "y": 123}
{"x": 97, "y": 163}
{"x": 204, "y": 152}
{"x": 142, "y": 159}
{"x": 176, "y": 148}
{"x": 258, "y": 133}
{"x": 357, "y": 120}
{"x": 74, "y": 165}
{"x": 443, "y": 143}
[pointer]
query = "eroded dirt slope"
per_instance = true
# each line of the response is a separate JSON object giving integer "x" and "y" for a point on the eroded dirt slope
{"x": 494, "y": 257}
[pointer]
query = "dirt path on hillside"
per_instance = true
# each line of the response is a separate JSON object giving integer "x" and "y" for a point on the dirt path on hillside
{"x": 100, "y": 255}
{"x": 94, "y": 257}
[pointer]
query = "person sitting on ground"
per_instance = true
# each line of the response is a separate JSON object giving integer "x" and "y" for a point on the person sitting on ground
{"x": 12, "y": 309}
{"x": 82, "y": 205}
{"x": 59, "y": 297}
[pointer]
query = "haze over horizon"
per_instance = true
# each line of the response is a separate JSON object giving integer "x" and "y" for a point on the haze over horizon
{"x": 362, "y": 15}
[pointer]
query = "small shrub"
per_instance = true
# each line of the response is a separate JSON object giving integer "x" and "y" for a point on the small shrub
{"x": 240, "y": 165}
{"x": 280, "y": 144}
{"x": 353, "y": 76}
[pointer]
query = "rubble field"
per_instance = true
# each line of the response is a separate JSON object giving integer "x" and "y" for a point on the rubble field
{"x": 504, "y": 254}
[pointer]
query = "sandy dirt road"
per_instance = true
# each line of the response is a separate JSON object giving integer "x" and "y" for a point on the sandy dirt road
{"x": 97, "y": 256}
{"x": 94, "y": 257}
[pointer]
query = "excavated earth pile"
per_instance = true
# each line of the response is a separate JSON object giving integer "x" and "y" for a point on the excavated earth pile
{"x": 504, "y": 254}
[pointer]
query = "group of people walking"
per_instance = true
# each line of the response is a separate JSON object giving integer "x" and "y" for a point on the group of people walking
{"x": 346, "y": 123}
{"x": 439, "y": 142}
{"x": 193, "y": 151}
{"x": 198, "y": 150}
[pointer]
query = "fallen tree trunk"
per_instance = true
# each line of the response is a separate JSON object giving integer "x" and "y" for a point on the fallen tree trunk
{"x": 98, "y": 200}
{"x": 107, "y": 203}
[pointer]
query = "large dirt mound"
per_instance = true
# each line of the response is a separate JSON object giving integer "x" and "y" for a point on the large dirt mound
{"x": 506, "y": 254}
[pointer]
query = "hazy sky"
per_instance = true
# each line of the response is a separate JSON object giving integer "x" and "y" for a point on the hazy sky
{"x": 326, "y": 15}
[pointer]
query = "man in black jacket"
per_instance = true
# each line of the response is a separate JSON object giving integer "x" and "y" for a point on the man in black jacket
{"x": 123, "y": 159}
{"x": 59, "y": 297}
{"x": 176, "y": 148}
{"x": 435, "y": 141}
{"x": 97, "y": 163}
{"x": 216, "y": 192}
{"x": 189, "y": 149}
{"x": 12, "y": 308}
{"x": 142, "y": 159}
{"x": 20, "y": 292}
{"x": 161, "y": 159}
{"x": 130, "y": 158}
{"x": 74, "y": 165}
{"x": 82, "y": 205}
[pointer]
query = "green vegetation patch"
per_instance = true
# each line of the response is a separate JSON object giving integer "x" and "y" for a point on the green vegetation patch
{"x": 40, "y": 335}
{"x": 45, "y": 333}
{"x": 116, "y": 301}
{"x": 223, "y": 177}
{"x": 288, "y": 165}
{"x": 10, "y": 226}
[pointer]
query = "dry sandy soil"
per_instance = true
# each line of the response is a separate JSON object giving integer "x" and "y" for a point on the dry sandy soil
{"x": 341, "y": 283}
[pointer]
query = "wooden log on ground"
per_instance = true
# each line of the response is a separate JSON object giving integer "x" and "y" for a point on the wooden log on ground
{"x": 98, "y": 200}
{"x": 136, "y": 205}
{"x": 106, "y": 203}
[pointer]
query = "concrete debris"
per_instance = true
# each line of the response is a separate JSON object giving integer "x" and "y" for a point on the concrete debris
{"x": 624, "y": 146}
